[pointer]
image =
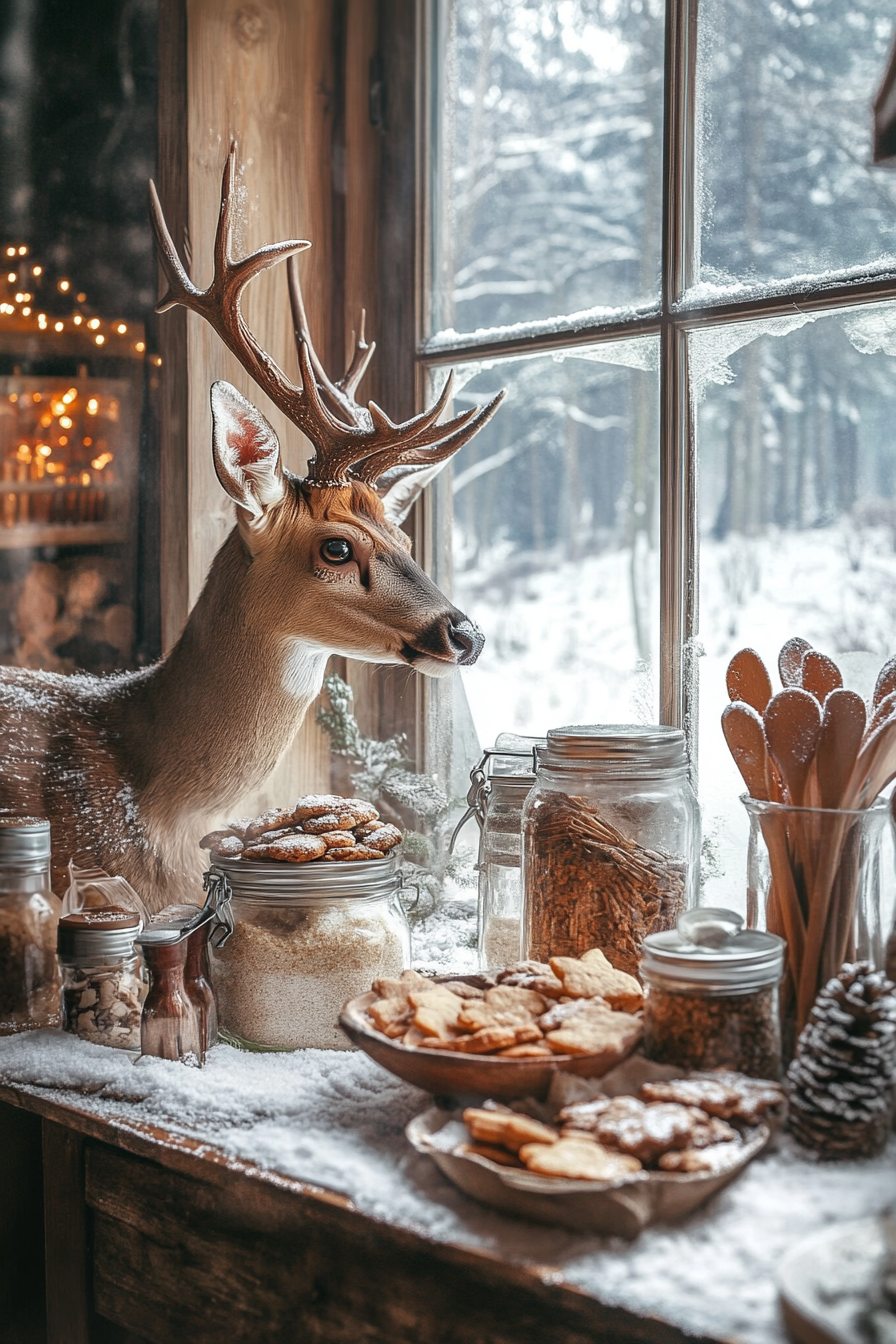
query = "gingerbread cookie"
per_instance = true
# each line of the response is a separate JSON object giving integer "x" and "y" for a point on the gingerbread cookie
{"x": 596, "y": 1030}
{"x": 591, "y": 976}
{"x": 578, "y": 1159}
{"x": 506, "y": 1128}
{"x": 296, "y": 849}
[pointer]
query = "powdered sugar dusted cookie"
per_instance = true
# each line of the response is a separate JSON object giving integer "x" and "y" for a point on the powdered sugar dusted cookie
{"x": 275, "y": 819}
{"x": 338, "y": 839}
{"x": 384, "y": 838}
{"x": 330, "y": 821}
{"x": 214, "y": 838}
{"x": 297, "y": 848}
{"x": 352, "y": 855}
{"x": 230, "y": 846}
{"x": 316, "y": 805}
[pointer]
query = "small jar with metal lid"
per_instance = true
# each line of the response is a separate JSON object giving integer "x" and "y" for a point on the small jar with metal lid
{"x": 611, "y": 841}
{"x": 305, "y": 939}
{"x": 712, "y": 995}
{"x": 29, "y": 913}
{"x": 103, "y": 985}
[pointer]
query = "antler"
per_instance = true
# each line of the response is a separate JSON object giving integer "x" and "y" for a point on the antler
{"x": 348, "y": 439}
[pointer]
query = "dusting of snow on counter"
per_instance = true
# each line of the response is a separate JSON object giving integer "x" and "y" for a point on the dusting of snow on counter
{"x": 336, "y": 1120}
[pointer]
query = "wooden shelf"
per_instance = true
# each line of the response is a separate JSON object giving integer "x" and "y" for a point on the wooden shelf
{"x": 32, "y": 535}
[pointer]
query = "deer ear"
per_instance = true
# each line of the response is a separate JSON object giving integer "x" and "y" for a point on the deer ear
{"x": 400, "y": 487}
{"x": 246, "y": 452}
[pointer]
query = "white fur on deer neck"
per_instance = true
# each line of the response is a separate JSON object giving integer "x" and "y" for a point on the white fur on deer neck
{"x": 303, "y": 670}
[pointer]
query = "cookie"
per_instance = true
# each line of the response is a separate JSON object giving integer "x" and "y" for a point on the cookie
{"x": 506, "y": 1128}
{"x": 383, "y": 838}
{"x": 365, "y": 812}
{"x": 338, "y": 839}
{"x": 646, "y": 1133}
{"x": 329, "y": 821}
{"x": 352, "y": 855}
{"x": 504, "y": 997}
{"x": 578, "y": 1160}
{"x": 591, "y": 976}
{"x": 392, "y": 1016}
{"x": 230, "y": 846}
{"x": 541, "y": 979}
{"x": 522, "y": 968}
{"x": 316, "y": 805}
{"x": 414, "y": 1038}
{"x": 488, "y": 1040}
{"x": 532, "y": 1050}
{"x": 463, "y": 990}
{"x": 387, "y": 987}
{"x": 275, "y": 819}
{"x": 436, "y": 1013}
{"x": 477, "y": 1014}
{"x": 723, "y": 1094}
{"x": 560, "y": 1013}
{"x": 239, "y": 826}
{"x": 494, "y": 1154}
{"x": 596, "y": 1030}
{"x": 214, "y": 839}
{"x": 297, "y": 848}
{"x": 688, "y": 1162}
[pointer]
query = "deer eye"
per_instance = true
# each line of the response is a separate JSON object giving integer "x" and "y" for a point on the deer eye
{"x": 336, "y": 551}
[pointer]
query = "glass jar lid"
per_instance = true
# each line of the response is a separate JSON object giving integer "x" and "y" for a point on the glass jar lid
{"x": 24, "y": 840}
{"x": 97, "y": 935}
{"x": 710, "y": 948}
{"x": 313, "y": 883}
{"x": 622, "y": 747}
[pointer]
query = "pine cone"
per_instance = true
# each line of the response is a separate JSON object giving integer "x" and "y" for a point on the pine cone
{"x": 841, "y": 1081}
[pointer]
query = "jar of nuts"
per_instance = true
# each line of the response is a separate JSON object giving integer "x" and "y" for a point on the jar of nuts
{"x": 611, "y": 839}
{"x": 712, "y": 995}
{"x": 29, "y": 912}
{"x": 103, "y": 986}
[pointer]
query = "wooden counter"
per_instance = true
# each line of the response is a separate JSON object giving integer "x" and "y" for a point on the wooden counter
{"x": 149, "y": 1236}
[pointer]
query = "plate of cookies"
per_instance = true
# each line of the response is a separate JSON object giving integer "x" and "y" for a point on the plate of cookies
{"x": 504, "y": 1035}
{"x": 611, "y": 1164}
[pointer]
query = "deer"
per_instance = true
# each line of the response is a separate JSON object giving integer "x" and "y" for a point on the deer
{"x": 132, "y": 768}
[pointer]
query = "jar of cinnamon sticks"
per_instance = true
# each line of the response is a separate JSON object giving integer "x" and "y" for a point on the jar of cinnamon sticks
{"x": 611, "y": 841}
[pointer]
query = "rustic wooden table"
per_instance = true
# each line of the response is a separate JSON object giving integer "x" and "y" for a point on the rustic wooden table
{"x": 149, "y": 1236}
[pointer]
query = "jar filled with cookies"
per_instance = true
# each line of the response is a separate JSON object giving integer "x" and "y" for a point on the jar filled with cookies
{"x": 29, "y": 913}
{"x": 712, "y": 995}
{"x": 611, "y": 841}
{"x": 314, "y": 900}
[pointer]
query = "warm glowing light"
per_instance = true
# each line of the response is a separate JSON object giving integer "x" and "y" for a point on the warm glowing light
{"x": 54, "y": 468}
{"x": 140, "y": 346}
{"x": 26, "y": 311}
{"x": 36, "y": 396}
{"x": 57, "y": 326}
{"x": 63, "y": 440}
{"x": 100, "y": 340}
{"x": 13, "y": 396}
{"x": 37, "y": 270}
{"x": 42, "y": 321}
{"x": 77, "y": 319}
{"x": 157, "y": 360}
{"x": 46, "y": 421}
{"x": 23, "y": 251}
{"x": 121, "y": 328}
{"x": 65, "y": 286}
{"x": 70, "y": 396}
{"x": 92, "y": 406}
{"x": 22, "y": 298}
{"x": 6, "y": 308}
{"x": 102, "y": 461}
{"x": 12, "y": 277}
{"x": 88, "y": 441}
{"x": 23, "y": 453}
{"x": 57, "y": 407}
{"x": 44, "y": 449}
{"x": 66, "y": 421}
{"x": 10, "y": 251}
{"x": 82, "y": 298}
{"x": 93, "y": 323}
{"x": 85, "y": 478}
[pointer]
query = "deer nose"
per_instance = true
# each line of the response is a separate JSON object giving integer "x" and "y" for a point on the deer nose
{"x": 468, "y": 638}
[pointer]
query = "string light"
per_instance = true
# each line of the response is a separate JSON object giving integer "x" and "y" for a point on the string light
{"x": 57, "y": 326}
{"x": 102, "y": 461}
{"x": 77, "y": 319}
{"x": 100, "y": 340}
{"x": 121, "y": 328}
{"x": 12, "y": 277}
{"x": 10, "y": 251}
{"x": 23, "y": 251}
{"x": 85, "y": 478}
{"x": 26, "y": 311}
{"x": 13, "y": 396}
{"x": 88, "y": 441}
{"x": 140, "y": 346}
{"x": 65, "y": 421}
{"x": 93, "y": 323}
{"x": 82, "y": 298}
{"x": 37, "y": 270}
{"x": 65, "y": 286}
{"x": 44, "y": 449}
{"x": 92, "y": 407}
{"x": 70, "y": 396}
{"x": 63, "y": 440}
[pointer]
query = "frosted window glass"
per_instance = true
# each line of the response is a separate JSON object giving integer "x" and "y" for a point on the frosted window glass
{"x": 797, "y": 449}
{"x": 784, "y": 103}
{"x": 547, "y": 159}
{"x": 554, "y": 540}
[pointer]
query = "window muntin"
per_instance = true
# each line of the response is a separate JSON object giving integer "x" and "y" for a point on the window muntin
{"x": 553, "y": 512}
{"x": 549, "y": 180}
{"x": 786, "y": 185}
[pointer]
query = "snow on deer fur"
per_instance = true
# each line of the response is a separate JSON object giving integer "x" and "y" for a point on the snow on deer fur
{"x": 131, "y": 769}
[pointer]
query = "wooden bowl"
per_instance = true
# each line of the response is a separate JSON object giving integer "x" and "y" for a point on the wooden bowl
{"x": 447, "y": 1074}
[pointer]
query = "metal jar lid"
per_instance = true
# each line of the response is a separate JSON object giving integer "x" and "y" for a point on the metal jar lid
{"x": 623, "y": 748}
{"x": 313, "y": 883}
{"x": 97, "y": 936}
{"x": 24, "y": 840}
{"x": 711, "y": 951}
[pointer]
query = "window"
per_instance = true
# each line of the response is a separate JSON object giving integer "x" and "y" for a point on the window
{"x": 659, "y": 228}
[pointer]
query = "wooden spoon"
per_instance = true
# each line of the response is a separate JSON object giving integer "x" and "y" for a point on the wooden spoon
{"x": 790, "y": 661}
{"x": 745, "y": 736}
{"x": 882, "y": 711}
{"x": 875, "y": 766}
{"x": 820, "y": 675}
{"x": 839, "y": 742}
{"x": 886, "y": 682}
{"x": 747, "y": 679}
{"x": 792, "y": 726}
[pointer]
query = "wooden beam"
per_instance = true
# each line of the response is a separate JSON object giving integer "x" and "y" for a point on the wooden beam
{"x": 65, "y": 1235}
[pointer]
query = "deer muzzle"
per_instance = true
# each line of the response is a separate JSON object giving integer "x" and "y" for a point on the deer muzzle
{"x": 453, "y": 640}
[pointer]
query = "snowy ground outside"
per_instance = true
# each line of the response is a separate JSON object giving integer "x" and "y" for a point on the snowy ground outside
{"x": 560, "y": 648}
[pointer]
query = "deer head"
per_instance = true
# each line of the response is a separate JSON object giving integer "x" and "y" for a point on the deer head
{"x": 330, "y": 568}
